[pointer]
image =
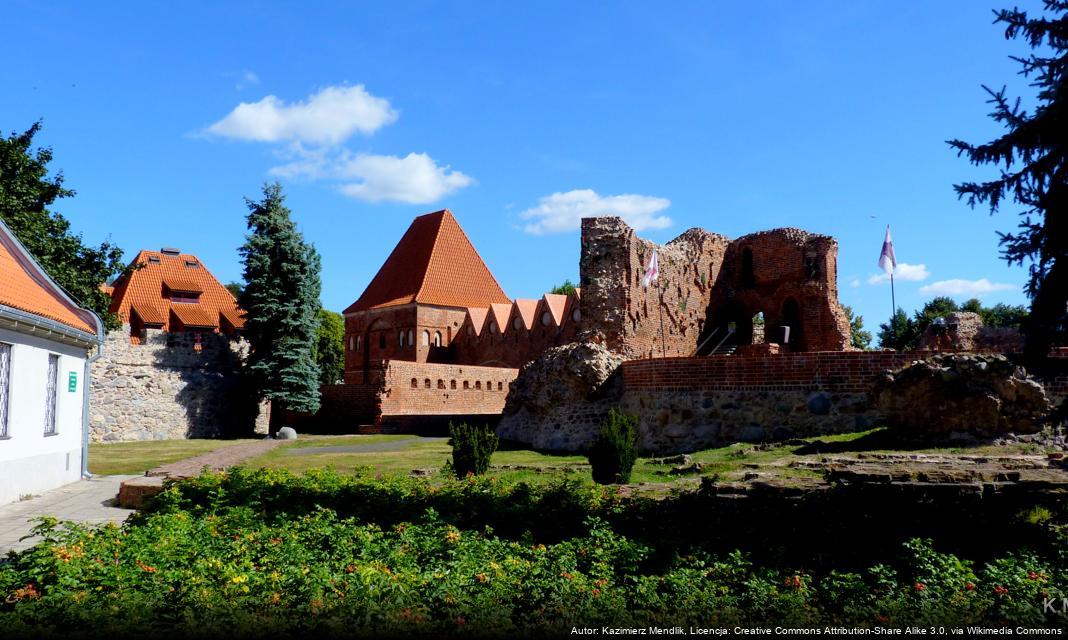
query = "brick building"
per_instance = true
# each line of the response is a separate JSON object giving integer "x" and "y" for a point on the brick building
{"x": 174, "y": 292}
{"x": 435, "y": 301}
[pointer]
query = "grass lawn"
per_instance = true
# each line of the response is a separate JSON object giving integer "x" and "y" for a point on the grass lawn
{"x": 401, "y": 454}
{"x": 110, "y": 458}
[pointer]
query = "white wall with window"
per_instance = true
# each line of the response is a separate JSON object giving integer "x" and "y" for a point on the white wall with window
{"x": 40, "y": 414}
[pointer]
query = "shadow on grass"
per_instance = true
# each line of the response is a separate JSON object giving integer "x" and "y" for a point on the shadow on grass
{"x": 883, "y": 440}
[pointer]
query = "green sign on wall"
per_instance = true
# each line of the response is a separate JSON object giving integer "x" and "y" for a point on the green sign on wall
{"x": 72, "y": 381}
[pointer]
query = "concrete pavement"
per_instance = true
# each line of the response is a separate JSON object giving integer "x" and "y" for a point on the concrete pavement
{"x": 85, "y": 501}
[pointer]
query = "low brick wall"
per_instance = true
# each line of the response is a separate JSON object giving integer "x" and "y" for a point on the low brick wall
{"x": 409, "y": 397}
{"x": 414, "y": 389}
{"x": 831, "y": 371}
{"x": 690, "y": 403}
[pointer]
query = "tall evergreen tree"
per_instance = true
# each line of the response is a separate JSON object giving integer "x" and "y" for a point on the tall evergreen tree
{"x": 26, "y": 194}
{"x": 859, "y": 338}
{"x": 1033, "y": 171}
{"x": 281, "y": 300}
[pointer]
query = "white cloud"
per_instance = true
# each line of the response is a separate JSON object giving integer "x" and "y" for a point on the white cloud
{"x": 564, "y": 211}
{"x": 415, "y": 178}
{"x": 855, "y": 282}
{"x": 246, "y": 79}
{"x": 903, "y": 273}
{"x": 959, "y": 287}
{"x": 328, "y": 117}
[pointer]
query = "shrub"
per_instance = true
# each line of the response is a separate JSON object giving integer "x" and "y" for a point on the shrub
{"x": 613, "y": 453}
{"x": 472, "y": 447}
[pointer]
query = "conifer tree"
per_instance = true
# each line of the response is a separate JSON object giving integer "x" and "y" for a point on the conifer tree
{"x": 1033, "y": 170}
{"x": 281, "y": 300}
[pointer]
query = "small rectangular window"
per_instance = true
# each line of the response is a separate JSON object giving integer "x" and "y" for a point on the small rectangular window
{"x": 5, "y": 386}
{"x": 51, "y": 395}
{"x": 153, "y": 260}
{"x": 192, "y": 264}
{"x": 191, "y": 298}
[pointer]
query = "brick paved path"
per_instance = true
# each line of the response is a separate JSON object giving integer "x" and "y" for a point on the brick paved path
{"x": 133, "y": 492}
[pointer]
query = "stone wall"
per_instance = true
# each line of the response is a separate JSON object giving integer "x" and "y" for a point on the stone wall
{"x": 174, "y": 385}
{"x": 684, "y": 404}
{"x": 965, "y": 331}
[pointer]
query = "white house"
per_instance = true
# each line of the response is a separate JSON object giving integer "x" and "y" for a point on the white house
{"x": 46, "y": 341}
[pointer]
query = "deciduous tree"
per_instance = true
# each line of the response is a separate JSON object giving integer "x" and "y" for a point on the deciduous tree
{"x": 27, "y": 192}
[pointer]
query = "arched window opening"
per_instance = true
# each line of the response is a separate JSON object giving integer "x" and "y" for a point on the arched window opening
{"x": 415, "y": 383}
{"x": 500, "y": 386}
{"x": 426, "y": 383}
{"x": 467, "y": 385}
{"x": 437, "y": 338}
{"x": 426, "y": 338}
{"x": 441, "y": 384}
{"x": 452, "y": 384}
{"x": 758, "y": 328}
{"x": 478, "y": 385}
{"x": 748, "y": 277}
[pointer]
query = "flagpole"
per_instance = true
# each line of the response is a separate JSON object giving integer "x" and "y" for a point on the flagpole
{"x": 663, "y": 348}
{"x": 893, "y": 300}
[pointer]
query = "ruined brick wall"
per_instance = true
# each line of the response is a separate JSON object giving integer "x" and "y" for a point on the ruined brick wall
{"x": 628, "y": 316}
{"x": 707, "y": 285}
{"x": 791, "y": 277}
{"x": 404, "y": 332}
{"x": 965, "y": 331}
{"x": 173, "y": 385}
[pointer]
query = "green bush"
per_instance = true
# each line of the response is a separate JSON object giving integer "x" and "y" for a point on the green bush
{"x": 613, "y": 453}
{"x": 472, "y": 447}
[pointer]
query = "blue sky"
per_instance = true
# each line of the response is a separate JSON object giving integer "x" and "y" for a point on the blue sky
{"x": 521, "y": 117}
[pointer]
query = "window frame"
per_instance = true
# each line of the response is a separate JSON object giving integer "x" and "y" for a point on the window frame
{"x": 51, "y": 426}
{"x": 5, "y": 391}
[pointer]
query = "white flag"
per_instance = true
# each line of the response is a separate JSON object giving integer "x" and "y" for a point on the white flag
{"x": 652, "y": 272}
{"x": 887, "y": 260}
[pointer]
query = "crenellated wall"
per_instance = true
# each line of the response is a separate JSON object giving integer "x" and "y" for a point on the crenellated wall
{"x": 174, "y": 385}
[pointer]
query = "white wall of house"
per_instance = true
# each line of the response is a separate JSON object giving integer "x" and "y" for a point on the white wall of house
{"x": 30, "y": 461}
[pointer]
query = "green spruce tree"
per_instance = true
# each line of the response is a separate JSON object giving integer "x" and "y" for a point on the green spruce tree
{"x": 281, "y": 300}
{"x": 1032, "y": 171}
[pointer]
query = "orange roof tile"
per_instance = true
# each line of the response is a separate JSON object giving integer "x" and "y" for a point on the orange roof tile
{"x": 235, "y": 317}
{"x": 185, "y": 286}
{"x": 476, "y": 317}
{"x": 193, "y": 315}
{"x": 25, "y": 286}
{"x": 142, "y": 289}
{"x": 499, "y": 312}
{"x": 149, "y": 313}
{"x": 556, "y": 303}
{"x": 524, "y": 310}
{"x": 434, "y": 263}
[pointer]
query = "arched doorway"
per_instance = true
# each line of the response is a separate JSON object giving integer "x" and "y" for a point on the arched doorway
{"x": 791, "y": 317}
{"x": 376, "y": 325}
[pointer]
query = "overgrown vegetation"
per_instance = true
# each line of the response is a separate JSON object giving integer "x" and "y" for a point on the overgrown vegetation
{"x": 265, "y": 553}
{"x": 613, "y": 453}
{"x": 565, "y": 289}
{"x": 472, "y": 448}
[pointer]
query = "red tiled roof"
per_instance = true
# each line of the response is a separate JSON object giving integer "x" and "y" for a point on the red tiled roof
{"x": 476, "y": 316}
{"x": 25, "y": 286}
{"x": 149, "y": 313}
{"x": 185, "y": 286}
{"x": 498, "y": 312}
{"x": 143, "y": 290}
{"x": 556, "y": 303}
{"x": 524, "y": 310}
{"x": 434, "y": 263}
{"x": 235, "y": 317}
{"x": 193, "y": 315}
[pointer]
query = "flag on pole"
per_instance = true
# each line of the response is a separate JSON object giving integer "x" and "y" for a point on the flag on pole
{"x": 652, "y": 272}
{"x": 887, "y": 260}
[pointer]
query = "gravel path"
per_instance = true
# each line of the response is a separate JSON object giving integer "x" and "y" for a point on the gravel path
{"x": 394, "y": 445}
